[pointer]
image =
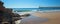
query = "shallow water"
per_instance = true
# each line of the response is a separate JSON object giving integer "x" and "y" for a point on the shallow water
{"x": 33, "y": 19}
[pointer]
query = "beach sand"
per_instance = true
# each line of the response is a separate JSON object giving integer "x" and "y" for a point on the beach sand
{"x": 53, "y": 17}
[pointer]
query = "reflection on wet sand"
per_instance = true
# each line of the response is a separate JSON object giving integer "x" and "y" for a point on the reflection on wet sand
{"x": 53, "y": 17}
{"x": 39, "y": 18}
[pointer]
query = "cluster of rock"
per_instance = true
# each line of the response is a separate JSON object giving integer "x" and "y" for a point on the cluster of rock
{"x": 6, "y": 15}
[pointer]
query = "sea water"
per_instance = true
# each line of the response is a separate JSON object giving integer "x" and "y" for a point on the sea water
{"x": 40, "y": 9}
{"x": 31, "y": 10}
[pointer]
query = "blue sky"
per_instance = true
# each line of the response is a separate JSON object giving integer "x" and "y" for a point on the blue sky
{"x": 30, "y": 3}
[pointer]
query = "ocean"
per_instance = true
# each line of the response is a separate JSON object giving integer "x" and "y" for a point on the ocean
{"x": 31, "y": 10}
{"x": 40, "y": 9}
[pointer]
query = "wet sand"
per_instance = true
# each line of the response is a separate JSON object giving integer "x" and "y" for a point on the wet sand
{"x": 53, "y": 17}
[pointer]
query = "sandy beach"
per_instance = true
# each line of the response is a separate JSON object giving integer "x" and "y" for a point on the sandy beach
{"x": 53, "y": 17}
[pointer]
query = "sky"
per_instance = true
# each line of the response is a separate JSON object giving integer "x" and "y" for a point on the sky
{"x": 30, "y": 3}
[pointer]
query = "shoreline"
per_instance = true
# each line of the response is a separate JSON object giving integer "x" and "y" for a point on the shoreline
{"x": 39, "y": 14}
